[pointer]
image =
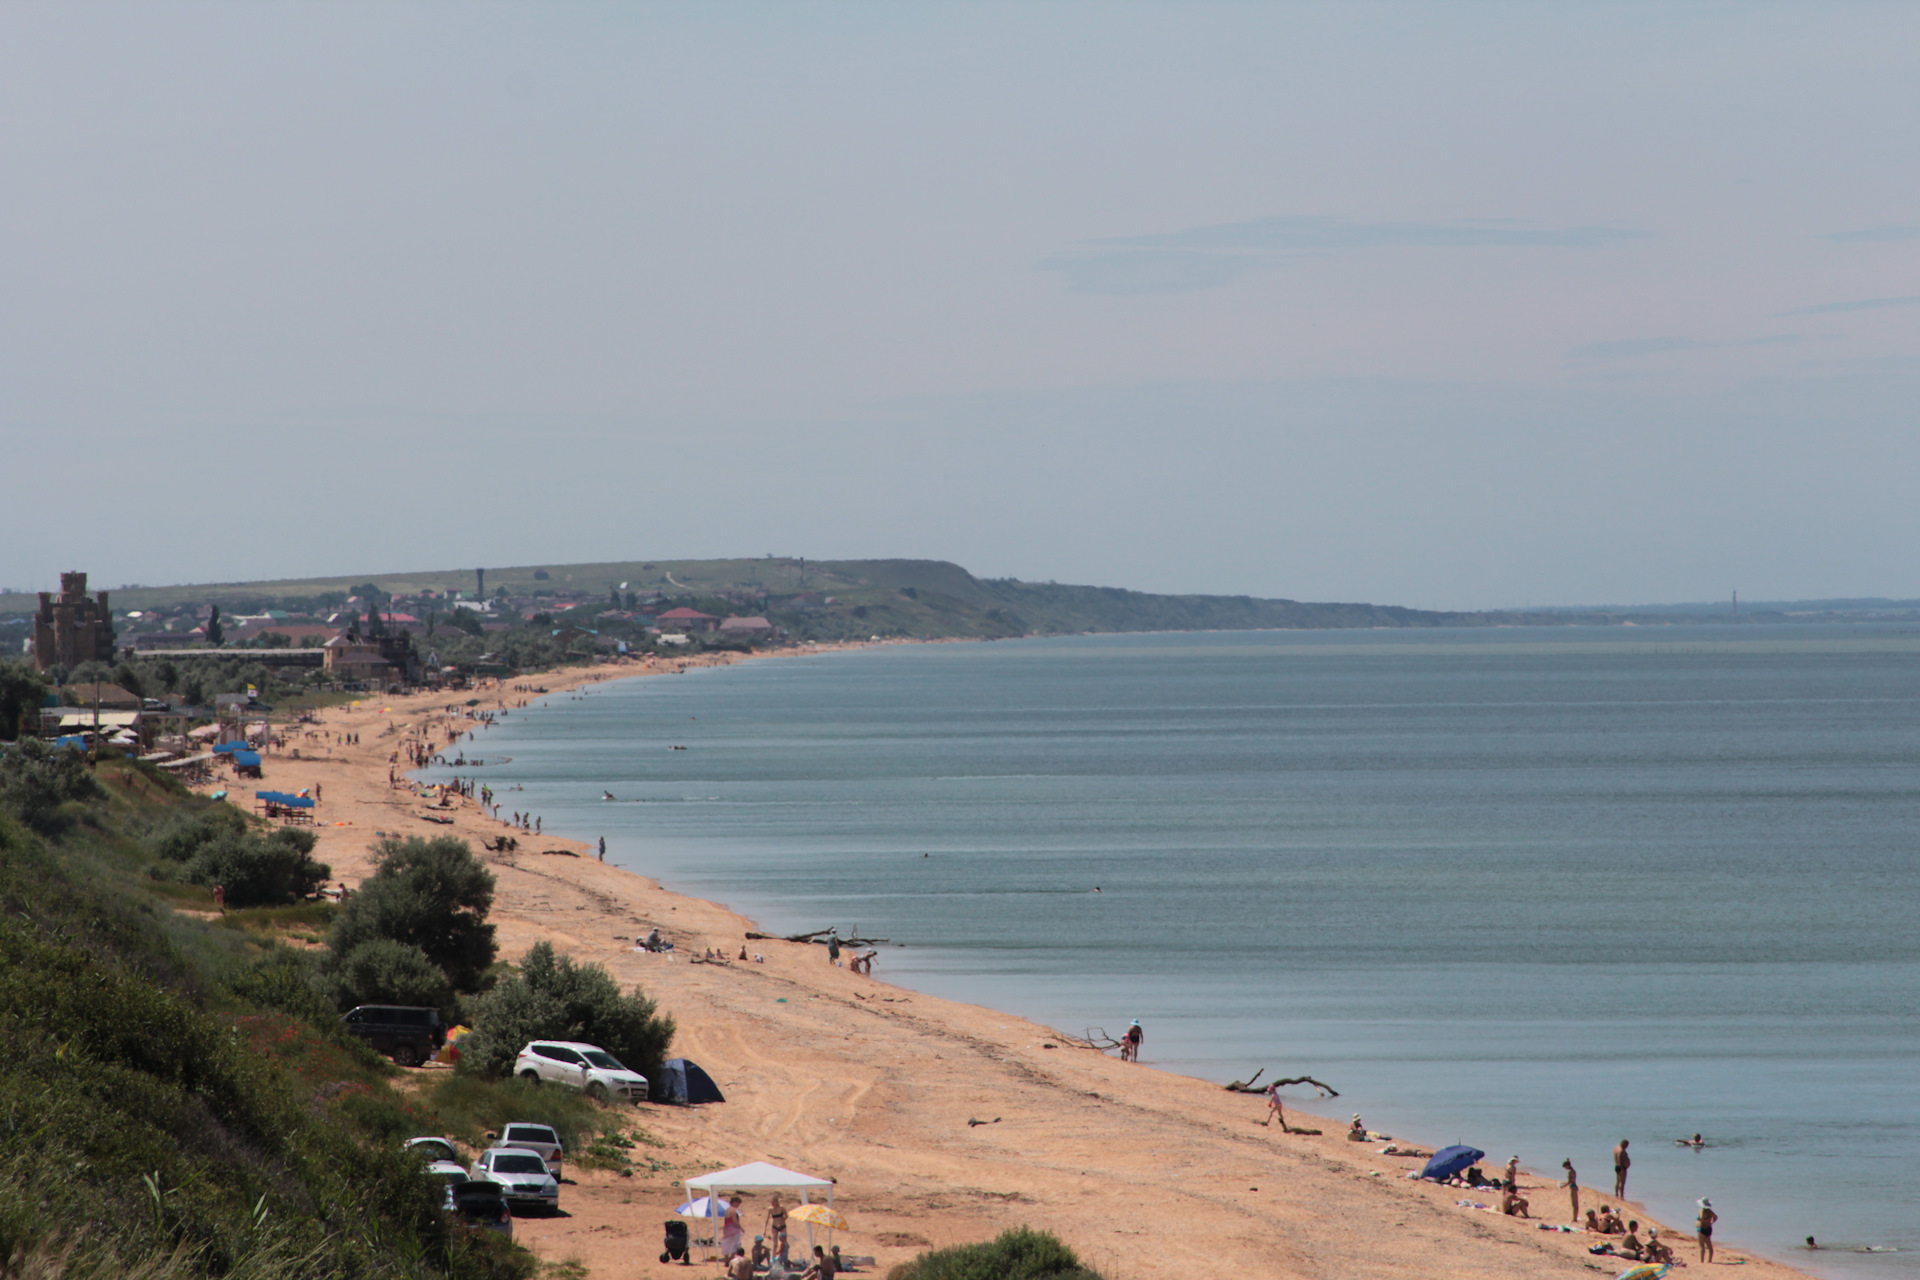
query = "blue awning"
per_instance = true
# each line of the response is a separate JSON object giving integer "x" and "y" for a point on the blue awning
{"x": 228, "y": 748}
{"x": 247, "y": 759}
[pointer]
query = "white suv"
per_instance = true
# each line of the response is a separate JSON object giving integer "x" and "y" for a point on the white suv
{"x": 580, "y": 1066}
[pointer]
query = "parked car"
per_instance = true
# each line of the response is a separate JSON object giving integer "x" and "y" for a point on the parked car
{"x": 522, "y": 1176}
{"x": 436, "y": 1149}
{"x": 449, "y": 1173}
{"x": 481, "y": 1204}
{"x": 407, "y": 1034}
{"x": 580, "y": 1066}
{"x": 533, "y": 1137}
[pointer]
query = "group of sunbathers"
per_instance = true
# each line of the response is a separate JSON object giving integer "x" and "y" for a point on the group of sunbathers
{"x": 1606, "y": 1222}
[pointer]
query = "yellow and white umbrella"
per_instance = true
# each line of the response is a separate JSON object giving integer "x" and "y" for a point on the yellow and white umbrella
{"x": 820, "y": 1215}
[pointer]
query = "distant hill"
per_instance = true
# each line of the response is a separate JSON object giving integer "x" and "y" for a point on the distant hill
{"x": 841, "y": 599}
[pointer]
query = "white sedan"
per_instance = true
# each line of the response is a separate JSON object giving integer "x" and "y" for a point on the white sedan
{"x": 522, "y": 1175}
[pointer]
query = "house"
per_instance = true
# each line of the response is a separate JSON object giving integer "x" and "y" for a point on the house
{"x": 350, "y": 659}
{"x": 685, "y": 619}
{"x": 748, "y": 628}
{"x": 109, "y": 697}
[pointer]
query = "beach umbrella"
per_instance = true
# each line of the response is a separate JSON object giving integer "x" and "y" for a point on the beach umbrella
{"x": 1645, "y": 1271}
{"x": 1448, "y": 1161}
{"x": 820, "y": 1215}
{"x": 704, "y": 1207}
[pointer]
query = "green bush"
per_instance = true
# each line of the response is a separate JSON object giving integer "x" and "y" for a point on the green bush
{"x": 1019, "y": 1254}
{"x": 433, "y": 895}
{"x": 36, "y": 780}
{"x": 470, "y": 1107}
{"x": 552, "y": 998}
{"x": 387, "y": 972}
{"x": 22, "y": 689}
{"x": 256, "y": 870}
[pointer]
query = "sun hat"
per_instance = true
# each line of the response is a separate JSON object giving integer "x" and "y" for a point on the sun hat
{"x": 1704, "y": 1203}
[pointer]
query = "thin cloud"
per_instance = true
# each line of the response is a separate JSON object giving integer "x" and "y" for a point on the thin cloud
{"x": 1211, "y": 256}
{"x": 1875, "y": 235}
{"x": 1626, "y": 348}
{"x": 1297, "y": 232}
{"x": 1156, "y": 271}
{"x": 1636, "y": 347}
{"x": 1864, "y": 304}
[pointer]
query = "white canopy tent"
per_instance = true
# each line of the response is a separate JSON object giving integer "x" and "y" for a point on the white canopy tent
{"x": 761, "y": 1176}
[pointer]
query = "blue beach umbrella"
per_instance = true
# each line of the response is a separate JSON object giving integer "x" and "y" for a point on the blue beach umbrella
{"x": 704, "y": 1207}
{"x": 1451, "y": 1160}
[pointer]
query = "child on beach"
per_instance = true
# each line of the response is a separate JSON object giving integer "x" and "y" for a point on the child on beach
{"x": 1274, "y": 1108}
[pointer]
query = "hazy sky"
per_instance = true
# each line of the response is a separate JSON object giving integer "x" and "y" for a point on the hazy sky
{"x": 1436, "y": 304}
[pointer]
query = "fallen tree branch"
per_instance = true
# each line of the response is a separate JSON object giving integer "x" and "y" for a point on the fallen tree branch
{"x": 1247, "y": 1085}
{"x": 816, "y": 936}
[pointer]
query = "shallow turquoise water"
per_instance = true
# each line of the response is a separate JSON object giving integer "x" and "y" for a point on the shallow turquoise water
{"x": 1533, "y": 890}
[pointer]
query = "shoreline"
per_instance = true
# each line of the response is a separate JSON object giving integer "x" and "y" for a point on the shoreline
{"x": 875, "y": 1085}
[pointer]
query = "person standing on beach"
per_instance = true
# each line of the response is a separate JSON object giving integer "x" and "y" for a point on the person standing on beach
{"x": 1513, "y": 1173}
{"x": 603, "y": 848}
{"x": 1707, "y": 1218}
{"x": 1274, "y": 1108}
{"x": 1572, "y": 1184}
{"x": 1130, "y": 1043}
{"x": 833, "y": 948}
{"x": 1621, "y": 1163}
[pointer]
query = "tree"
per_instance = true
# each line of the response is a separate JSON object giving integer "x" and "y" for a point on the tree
{"x": 387, "y": 972}
{"x": 430, "y": 894}
{"x": 552, "y": 998}
{"x": 35, "y": 780}
{"x": 215, "y": 635}
{"x": 22, "y": 690}
{"x": 254, "y": 870}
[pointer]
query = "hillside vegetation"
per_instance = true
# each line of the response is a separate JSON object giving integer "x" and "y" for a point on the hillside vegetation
{"x": 178, "y": 1093}
{"x": 824, "y": 600}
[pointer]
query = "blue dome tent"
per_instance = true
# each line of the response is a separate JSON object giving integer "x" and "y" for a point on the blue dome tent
{"x": 685, "y": 1083}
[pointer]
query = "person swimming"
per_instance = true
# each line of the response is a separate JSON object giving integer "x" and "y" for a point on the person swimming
{"x": 1696, "y": 1142}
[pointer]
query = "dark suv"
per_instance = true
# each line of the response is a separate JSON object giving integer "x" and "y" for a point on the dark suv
{"x": 407, "y": 1035}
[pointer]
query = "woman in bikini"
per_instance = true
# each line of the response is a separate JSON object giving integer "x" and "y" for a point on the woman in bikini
{"x": 777, "y": 1227}
{"x": 1707, "y": 1218}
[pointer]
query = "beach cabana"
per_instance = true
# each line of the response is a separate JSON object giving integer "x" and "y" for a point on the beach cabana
{"x": 761, "y": 1176}
{"x": 246, "y": 763}
{"x": 286, "y": 807}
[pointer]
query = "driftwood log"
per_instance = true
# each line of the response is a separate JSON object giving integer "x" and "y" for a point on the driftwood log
{"x": 1247, "y": 1085}
{"x": 813, "y": 935}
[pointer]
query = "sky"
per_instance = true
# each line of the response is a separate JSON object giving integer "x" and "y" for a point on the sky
{"x": 1446, "y": 305}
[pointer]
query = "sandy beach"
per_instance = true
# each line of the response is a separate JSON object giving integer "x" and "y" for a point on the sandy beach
{"x": 1144, "y": 1173}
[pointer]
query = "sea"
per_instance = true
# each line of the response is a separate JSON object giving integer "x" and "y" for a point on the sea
{"x": 1535, "y": 889}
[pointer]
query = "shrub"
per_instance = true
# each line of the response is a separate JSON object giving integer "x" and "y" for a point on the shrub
{"x": 22, "y": 689}
{"x": 387, "y": 972}
{"x": 1019, "y": 1254}
{"x": 471, "y": 1107}
{"x": 35, "y": 780}
{"x": 430, "y": 894}
{"x": 552, "y": 998}
{"x": 255, "y": 870}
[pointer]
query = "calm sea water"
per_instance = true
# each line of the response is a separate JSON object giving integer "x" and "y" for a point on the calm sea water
{"x": 1532, "y": 890}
